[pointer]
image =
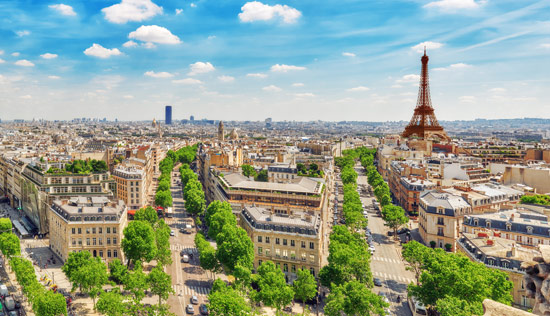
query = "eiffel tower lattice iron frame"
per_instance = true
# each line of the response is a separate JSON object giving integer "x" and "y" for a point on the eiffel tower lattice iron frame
{"x": 424, "y": 123}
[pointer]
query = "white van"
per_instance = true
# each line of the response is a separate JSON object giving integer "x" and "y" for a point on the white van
{"x": 417, "y": 308}
{"x": 4, "y": 290}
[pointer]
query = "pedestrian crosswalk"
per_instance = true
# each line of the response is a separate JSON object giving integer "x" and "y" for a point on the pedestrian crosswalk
{"x": 392, "y": 277}
{"x": 181, "y": 289}
{"x": 180, "y": 248}
{"x": 390, "y": 260}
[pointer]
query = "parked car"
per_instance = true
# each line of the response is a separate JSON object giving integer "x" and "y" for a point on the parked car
{"x": 190, "y": 309}
{"x": 194, "y": 300}
{"x": 384, "y": 297}
{"x": 182, "y": 253}
{"x": 371, "y": 248}
{"x": 9, "y": 303}
{"x": 4, "y": 290}
{"x": 377, "y": 282}
{"x": 203, "y": 309}
{"x": 185, "y": 259}
{"x": 172, "y": 233}
{"x": 403, "y": 230}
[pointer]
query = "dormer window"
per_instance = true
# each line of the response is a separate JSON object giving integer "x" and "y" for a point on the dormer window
{"x": 508, "y": 226}
{"x": 476, "y": 222}
{"x": 488, "y": 224}
{"x": 529, "y": 229}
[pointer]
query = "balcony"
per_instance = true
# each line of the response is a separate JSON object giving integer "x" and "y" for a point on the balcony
{"x": 440, "y": 234}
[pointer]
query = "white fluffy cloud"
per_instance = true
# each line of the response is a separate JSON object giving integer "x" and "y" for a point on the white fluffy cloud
{"x": 257, "y": 11}
{"x": 257, "y": 75}
{"x": 187, "y": 81}
{"x": 179, "y": 11}
{"x": 226, "y": 78}
{"x": 24, "y": 63}
{"x": 130, "y": 44}
{"x": 2, "y": 61}
{"x": 128, "y": 96}
{"x": 1, "y": 52}
{"x": 358, "y": 89}
{"x": 63, "y": 9}
{"x": 285, "y": 68}
{"x": 272, "y": 88}
{"x": 99, "y": 51}
{"x": 429, "y": 45}
{"x": 27, "y": 96}
{"x": 54, "y": 77}
{"x": 131, "y": 10}
{"x": 297, "y": 84}
{"x": 48, "y": 56}
{"x": 454, "y": 4}
{"x": 545, "y": 45}
{"x": 23, "y": 33}
{"x": 467, "y": 99}
{"x": 154, "y": 34}
{"x": 192, "y": 5}
{"x": 15, "y": 54}
{"x": 454, "y": 66}
{"x": 200, "y": 68}
{"x": 162, "y": 74}
{"x": 305, "y": 95}
{"x": 408, "y": 78}
{"x": 346, "y": 54}
{"x": 497, "y": 90}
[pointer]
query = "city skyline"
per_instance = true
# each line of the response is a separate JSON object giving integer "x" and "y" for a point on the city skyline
{"x": 289, "y": 60}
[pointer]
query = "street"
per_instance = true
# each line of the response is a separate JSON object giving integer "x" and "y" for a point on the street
{"x": 386, "y": 263}
{"x": 187, "y": 278}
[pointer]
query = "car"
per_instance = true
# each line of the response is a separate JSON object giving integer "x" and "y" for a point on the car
{"x": 187, "y": 231}
{"x": 384, "y": 297}
{"x": 377, "y": 282}
{"x": 390, "y": 232}
{"x": 203, "y": 309}
{"x": 182, "y": 253}
{"x": 190, "y": 309}
{"x": 189, "y": 251}
{"x": 403, "y": 230}
{"x": 194, "y": 300}
{"x": 371, "y": 248}
{"x": 172, "y": 233}
{"x": 12, "y": 313}
{"x": 185, "y": 259}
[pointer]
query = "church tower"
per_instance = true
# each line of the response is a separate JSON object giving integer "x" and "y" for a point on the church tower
{"x": 221, "y": 135}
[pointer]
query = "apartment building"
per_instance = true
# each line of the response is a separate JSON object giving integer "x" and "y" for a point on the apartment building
{"x": 440, "y": 218}
{"x": 291, "y": 241}
{"x": 93, "y": 224}
{"x": 504, "y": 255}
{"x": 132, "y": 185}
{"x": 282, "y": 172}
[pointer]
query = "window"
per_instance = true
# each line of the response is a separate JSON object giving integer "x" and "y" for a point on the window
{"x": 277, "y": 253}
{"x": 80, "y": 230}
{"x": 74, "y": 230}
{"x": 259, "y": 238}
{"x": 303, "y": 244}
{"x": 108, "y": 240}
{"x": 260, "y": 250}
{"x": 87, "y": 241}
{"x": 292, "y": 255}
{"x": 80, "y": 241}
{"x": 304, "y": 257}
{"x": 440, "y": 221}
{"x": 93, "y": 230}
{"x": 267, "y": 239}
{"x": 488, "y": 224}
{"x": 311, "y": 245}
{"x": 100, "y": 229}
{"x": 108, "y": 230}
{"x": 74, "y": 241}
{"x": 100, "y": 242}
{"x": 293, "y": 268}
{"x": 311, "y": 258}
{"x": 508, "y": 226}
{"x": 101, "y": 253}
{"x": 87, "y": 230}
{"x": 312, "y": 271}
{"x": 285, "y": 253}
{"x": 94, "y": 241}
{"x": 277, "y": 241}
{"x": 267, "y": 252}
{"x": 284, "y": 242}
{"x": 285, "y": 267}
{"x": 114, "y": 230}
{"x": 115, "y": 253}
{"x": 292, "y": 243}
{"x": 529, "y": 229}
{"x": 259, "y": 262}
{"x": 440, "y": 231}
{"x": 114, "y": 240}
{"x": 108, "y": 253}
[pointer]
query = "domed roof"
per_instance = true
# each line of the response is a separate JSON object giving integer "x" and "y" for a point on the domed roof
{"x": 154, "y": 123}
{"x": 234, "y": 134}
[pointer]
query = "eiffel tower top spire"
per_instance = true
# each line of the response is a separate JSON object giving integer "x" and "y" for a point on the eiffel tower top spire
{"x": 424, "y": 124}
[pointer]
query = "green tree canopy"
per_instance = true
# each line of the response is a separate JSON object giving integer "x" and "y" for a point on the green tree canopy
{"x": 215, "y": 207}
{"x": 136, "y": 283}
{"x": 111, "y": 303}
{"x": 394, "y": 216}
{"x": 273, "y": 291}
{"x": 234, "y": 247}
{"x": 226, "y": 301}
{"x": 162, "y": 242}
{"x": 305, "y": 286}
{"x": 219, "y": 220}
{"x": 139, "y": 241}
{"x": 50, "y": 304}
{"x": 262, "y": 176}
{"x": 248, "y": 171}
{"x": 5, "y": 225}
{"x": 207, "y": 254}
{"x": 91, "y": 277}
{"x": 74, "y": 262}
{"x": 163, "y": 198}
{"x": 10, "y": 244}
{"x": 117, "y": 271}
{"x": 195, "y": 202}
{"x": 354, "y": 299}
{"x": 160, "y": 283}
{"x": 147, "y": 214}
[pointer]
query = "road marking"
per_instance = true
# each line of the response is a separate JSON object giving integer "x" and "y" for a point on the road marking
{"x": 393, "y": 277}
{"x": 387, "y": 260}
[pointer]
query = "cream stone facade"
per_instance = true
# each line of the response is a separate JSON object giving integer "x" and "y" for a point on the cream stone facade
{"x": 132, "y": 183}
{"x": 93, "y": 224}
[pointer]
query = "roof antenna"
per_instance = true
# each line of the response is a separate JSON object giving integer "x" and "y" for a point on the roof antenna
{"x": 424, "y": 50}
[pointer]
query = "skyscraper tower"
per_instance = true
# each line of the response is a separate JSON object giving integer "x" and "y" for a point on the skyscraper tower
{"x": 221, "y": 135}
{"x": 168, "y": 115}
{"x": 424, "y": 123}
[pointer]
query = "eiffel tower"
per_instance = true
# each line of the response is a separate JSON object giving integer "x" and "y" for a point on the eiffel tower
{"x": 424, "y": 123}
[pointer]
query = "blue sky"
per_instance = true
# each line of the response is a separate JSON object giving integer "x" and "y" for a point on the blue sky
{"x": 289, "y": 60}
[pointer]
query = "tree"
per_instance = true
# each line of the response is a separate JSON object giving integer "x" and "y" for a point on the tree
{"x": 186, "y": 176}
{"x": 191, "y": 185}
{"x": 139, "y": 242}
{"x": 111, "y": 303}
{"x": 225, "y": 301}
{"x": 301, "y": 168}
{"x": 162, "y": 242}
{"x": 414, "y": 253}
{"x": 215, "y": 207}
{"x": 348, "y": 175}
{"x": 261, "y": 176}
{"x": 5, "y": 225}
{"x": 449, "y": 278}
{"x": 163, "y": 198}
{"x": 49, "y": 303}
{"x": 305, "y": 286}
{"x": 248, "y": 171}
{"x": 136, "y": 283}
{"x": 117, "y": 271}
{"x": 164, "y": 185}
{"x": 394, "y": 216}
{"x": 160, "y": 283}
{"x": 91, "y": 277}
{"x": 354, "y": 298}
{"x": 195, "y": 202}
{"x": 10, "y": 244}
{"x": 219, "y": 220}
{"x": 74, "y": 262}
{"x": 147, "y": 214}
{"x": 234, "y": 247}
{"x": 207, "y": 254}
{"x": 273, "y": 291}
